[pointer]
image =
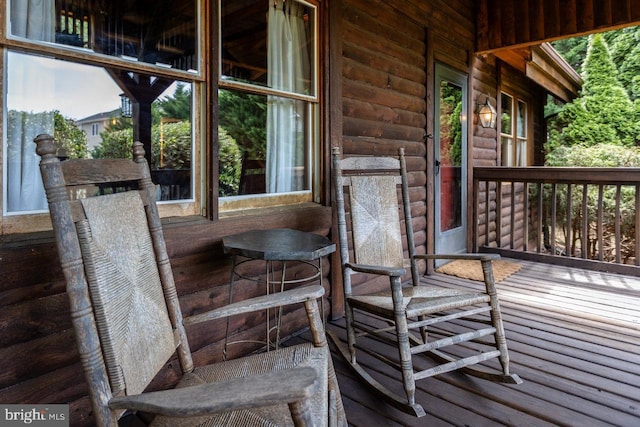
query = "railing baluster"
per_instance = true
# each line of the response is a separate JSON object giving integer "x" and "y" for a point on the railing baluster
{"x": 554, "y": 219}
{"x": 617, "y": 224}
{"x": 499, "y": 213}
{"x": 476, "y": 213}
{"x": 487, "y": 208}
{"x": 636, "y": 252}
{"x": 600, "y": 223}
{"x": 525, "y": 192}
{"x": 512, "y": 217}
{"x": 568, "y": 245}
{"x": 540, "y": 237}
{"x": 584, "y": 242}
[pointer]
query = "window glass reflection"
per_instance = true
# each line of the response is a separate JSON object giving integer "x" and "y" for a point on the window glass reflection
{"x": 81, "y": 106}
{"x": 159, "y": 32}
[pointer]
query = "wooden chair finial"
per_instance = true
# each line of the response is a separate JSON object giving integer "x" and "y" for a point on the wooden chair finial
{"x": 45, "y": 145}
{"x": 138, "y": 151}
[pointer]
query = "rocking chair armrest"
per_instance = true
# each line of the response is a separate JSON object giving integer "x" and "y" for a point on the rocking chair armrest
{"x": 239, "y": 393}
{"x": 470, "y": 256}
{"x": 278, "y": 299}
{"x": 377, "y": 269}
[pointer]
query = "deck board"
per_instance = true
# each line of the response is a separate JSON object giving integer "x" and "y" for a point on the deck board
{"x": 574, "y": 339}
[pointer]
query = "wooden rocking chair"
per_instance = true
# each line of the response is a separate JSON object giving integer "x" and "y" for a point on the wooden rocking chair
{"x": 373, "y": 187}
{"x": 128, "y": 322}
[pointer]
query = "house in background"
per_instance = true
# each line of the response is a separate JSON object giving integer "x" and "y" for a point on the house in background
{"x": 95, "y": 124}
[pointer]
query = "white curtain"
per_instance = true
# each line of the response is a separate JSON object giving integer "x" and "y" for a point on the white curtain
{"x": 33, "y": 19}
{"x": 288, "y": 70}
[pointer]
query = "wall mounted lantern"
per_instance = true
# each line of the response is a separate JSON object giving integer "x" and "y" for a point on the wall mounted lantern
{"x": 125, "y": 106}
{"x": 487, "y": 115}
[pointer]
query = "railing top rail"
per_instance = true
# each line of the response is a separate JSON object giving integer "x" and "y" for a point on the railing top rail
{"x": 564, "y": 175}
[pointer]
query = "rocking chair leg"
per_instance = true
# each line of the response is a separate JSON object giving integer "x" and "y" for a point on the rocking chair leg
{"x": 351, "y": 334}
{"x": 406, "y": 364}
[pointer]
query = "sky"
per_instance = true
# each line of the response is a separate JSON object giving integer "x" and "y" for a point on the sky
{"x": 37, "y": 83}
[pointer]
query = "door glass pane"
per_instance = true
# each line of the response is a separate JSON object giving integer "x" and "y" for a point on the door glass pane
{"x": 450, "y": 156}
{"x": 159, "y": 33}
{"x": 522, "y": 120}
{"x": 506, "y": 114}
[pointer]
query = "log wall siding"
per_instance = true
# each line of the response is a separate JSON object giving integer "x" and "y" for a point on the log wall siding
{"x": 37, "y": 344}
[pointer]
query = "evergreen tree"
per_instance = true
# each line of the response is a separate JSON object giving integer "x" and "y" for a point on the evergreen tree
{"x": 603, "y": 113}
{"x": 177, "y": 106}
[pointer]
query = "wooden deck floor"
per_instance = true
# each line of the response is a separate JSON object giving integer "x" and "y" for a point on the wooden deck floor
{"x": 574, "y": 339}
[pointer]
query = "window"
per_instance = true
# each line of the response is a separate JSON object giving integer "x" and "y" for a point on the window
{"x": 87, "y": 58}
{"x": 513, "y": 131}
{"x": 164, "y": 36}
{"x": 268, "y": 103}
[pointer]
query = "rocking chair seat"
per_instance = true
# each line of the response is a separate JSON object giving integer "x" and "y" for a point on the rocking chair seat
{"x": 285, "y": 359}
{"x": 418, "y": 300}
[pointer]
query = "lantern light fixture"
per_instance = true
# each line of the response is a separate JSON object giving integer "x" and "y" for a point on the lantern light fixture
{"x": 487, "y": 115}
{"x": 125, "y": 106}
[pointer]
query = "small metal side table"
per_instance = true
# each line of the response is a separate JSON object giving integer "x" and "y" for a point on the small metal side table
{"x": 281, "y": 245}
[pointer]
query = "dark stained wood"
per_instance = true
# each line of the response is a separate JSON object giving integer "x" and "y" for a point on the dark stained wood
{"x": 573, "y": 337}
{"x": 502, "y": 23}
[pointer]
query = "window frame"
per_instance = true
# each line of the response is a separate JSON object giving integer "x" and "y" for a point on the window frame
{"x": 518, "y": 144}
{"x": 225, "y": 206}
{"x": 13, "y": 223}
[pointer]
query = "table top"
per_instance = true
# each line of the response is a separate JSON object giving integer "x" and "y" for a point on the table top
{"x": 280, "y": 244}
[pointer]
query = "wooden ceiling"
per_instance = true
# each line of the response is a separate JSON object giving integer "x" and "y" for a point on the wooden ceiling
{"x": 516, "y": 23}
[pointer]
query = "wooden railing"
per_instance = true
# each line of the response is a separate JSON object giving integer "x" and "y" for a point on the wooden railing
{"x": 586, "y": 217}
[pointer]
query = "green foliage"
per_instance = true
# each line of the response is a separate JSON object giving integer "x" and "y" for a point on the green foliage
{"x": 116, "y": 144}
{"x": 573, "y": 50}
{"x": 229, "y": 164}
{"x": 451, "y": 128}
{"x": 603, "y": 113}
{"x": 177, "y": 106}
{"x": 171, "y": 147}
{"x": 244, "y": 118}
{"x": 600, "y": 155}
{"x": 69, "y": 136}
